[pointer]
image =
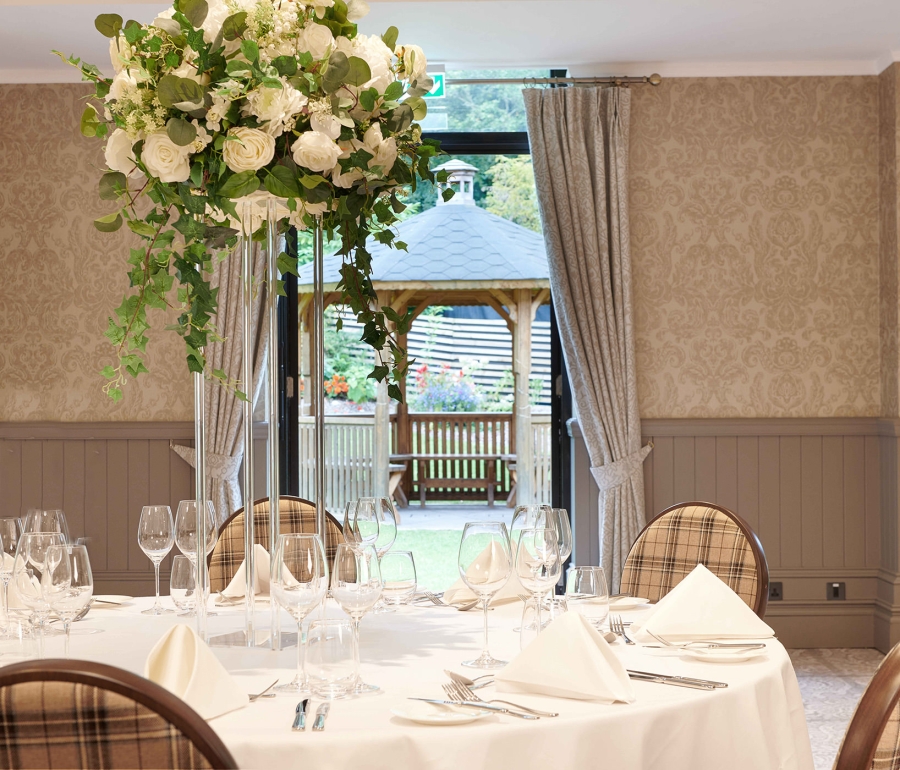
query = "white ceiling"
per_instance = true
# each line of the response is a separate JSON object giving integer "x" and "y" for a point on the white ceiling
{"x": 672, "y": 37}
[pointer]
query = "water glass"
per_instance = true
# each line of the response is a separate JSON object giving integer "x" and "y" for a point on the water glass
{"x": 362, "y": 520}
{"x": 528, "y": 517}
{"x": 485, "y": 563}
{"x": 587, "y": 593}
{"x": 67, "y": 583}
{"x": 299, "y": 584}
{"x": 537, "y": 564}
{"x": 10, "y": 532}
{"x": 156, "y": 535}
{"x": 398, "y": 571}
{"x": 186, "y": 528}
{"x": 28, "y": 569}
{"x": 331, "y": 660}
{"x": 37, "y": 520}
{"x": 356, "y": 586}
{"x": 183, "y": 585}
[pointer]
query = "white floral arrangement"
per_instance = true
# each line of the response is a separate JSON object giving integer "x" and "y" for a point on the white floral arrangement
{"x": 220, "y": 102}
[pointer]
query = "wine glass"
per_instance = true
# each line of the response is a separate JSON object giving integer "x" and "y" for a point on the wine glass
{"x": 485, "y": 562}
{"x": 398, "y": 570}
{"x": 362, "y": 521}
{"x": 560, "y": 520}
{"x": 29, "y": 566}
{"x": 537, "y": 563}
{"x": 587, "y": 593}
{"x": 299, "y": 585}
{"x": 10, "y": 531}
{"x": 67, "y": 583}
{"x": 155, "y": 537}
{"x": 183, "y": 586}
{"x": 186, "y": 535}
{"x": 387, "y": 534}
{"x": 356, "y": 586}
{"x": 37, "y": 520}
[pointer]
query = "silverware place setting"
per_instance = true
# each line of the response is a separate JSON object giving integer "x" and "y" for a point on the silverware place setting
{"x": 457, "y": 691}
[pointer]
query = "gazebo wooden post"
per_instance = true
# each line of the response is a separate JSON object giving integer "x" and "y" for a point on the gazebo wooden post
{"x": 522, "y": 407}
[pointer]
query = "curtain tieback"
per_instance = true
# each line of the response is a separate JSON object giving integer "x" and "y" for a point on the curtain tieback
{"x": 218, "y": 466}
{"x": 616, "y": 473}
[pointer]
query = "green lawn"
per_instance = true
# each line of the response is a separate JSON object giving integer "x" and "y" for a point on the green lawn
{"x": 435, "y": 553}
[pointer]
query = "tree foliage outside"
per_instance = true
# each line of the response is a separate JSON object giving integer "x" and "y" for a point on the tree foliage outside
{"x": 512, "y": 194}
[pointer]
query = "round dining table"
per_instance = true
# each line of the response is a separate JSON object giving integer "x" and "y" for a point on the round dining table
{"x": 756, "y": 723}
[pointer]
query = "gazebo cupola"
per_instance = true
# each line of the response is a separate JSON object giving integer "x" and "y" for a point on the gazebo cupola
{"x": 462, "y": 179}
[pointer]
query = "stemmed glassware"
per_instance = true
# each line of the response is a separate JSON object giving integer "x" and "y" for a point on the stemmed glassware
{"x": 28, "y": 569}
{"x": 183, "y": 586}
{"x": 186, "y": 535}
{"x": 560, "y": 521}
{"x": 67, "y": 583}
{"x": 362, "y": 521}
{"x": 10, "y": 531}
{"x": 485, "y": 563}
{"x": 528, "y": 517}
{"x": 538, "y": 565}
{"x": 588, "y": 594}
{"x": 387, "y": 534}
{"x": 37, "y": 520}
{"x": 356, "y": 586}
{"x": 299, "y": 584}
{"x": 156, "y": 535}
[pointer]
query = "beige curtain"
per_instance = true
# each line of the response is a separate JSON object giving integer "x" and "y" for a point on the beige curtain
{"x": 224, "y": 411}
{"x": 579, "y": 147}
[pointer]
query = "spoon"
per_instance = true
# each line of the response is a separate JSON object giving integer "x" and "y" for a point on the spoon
{"x": 470, "y": 683}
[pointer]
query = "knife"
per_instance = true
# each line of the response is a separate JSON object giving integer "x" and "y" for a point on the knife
{"x": 478, "y": 705}
{"x": 300, "y": 718}
{"x": 684, "y": 681}
{"x": 319, "y": 724}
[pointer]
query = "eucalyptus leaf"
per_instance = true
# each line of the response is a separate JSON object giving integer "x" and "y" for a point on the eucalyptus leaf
{"x": 393, "y": 91}
{"x": 112, "y": 185}
{"x": 286, "y": 65}
{"x": 250, "y": 49}
{"x": 194, "y": 10}
{"x": 109, "y": 223}
{"x": 108, "y": 24}
{"x": 239, "y": 185}
{"x": 181, "y": 132}
{"x": 359, "y": 73}
{"x": 389, "y": 38}
{"x": 169, "y": 26}
{"x": 336, "y": 72}
{"x": 418, "y": 106}
{"x": 235, "y": 25}
{"x": 400, "y": 119}
{"x": 173, "y": 90}
{"x": 89, "y": 121}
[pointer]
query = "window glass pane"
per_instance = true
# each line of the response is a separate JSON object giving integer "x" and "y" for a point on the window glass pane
{"x": 480, "y": 107}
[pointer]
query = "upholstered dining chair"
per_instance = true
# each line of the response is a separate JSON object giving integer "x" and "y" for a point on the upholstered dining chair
{"x": 296, "y": 515}
{"x": 872, "y": 741}
{"x": 64, "y": 714}
{"x": 687, "y": 534}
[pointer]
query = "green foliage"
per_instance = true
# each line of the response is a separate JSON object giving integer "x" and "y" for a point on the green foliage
{"x": 350, "y": 358}
{"x": 512, "y": 194}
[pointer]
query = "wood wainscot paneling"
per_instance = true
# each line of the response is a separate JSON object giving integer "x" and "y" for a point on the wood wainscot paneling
{"x": 101, "y": 475}
{"x": 821, "y": 494}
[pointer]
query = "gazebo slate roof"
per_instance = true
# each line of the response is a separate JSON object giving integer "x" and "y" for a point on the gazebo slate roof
{"x": 453, "y": 247}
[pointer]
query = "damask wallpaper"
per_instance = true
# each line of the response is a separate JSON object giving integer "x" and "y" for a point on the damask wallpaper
{"x": 754, "y": 224}
{"x": 889, "y": 260}
{"x": 61, "y": 278}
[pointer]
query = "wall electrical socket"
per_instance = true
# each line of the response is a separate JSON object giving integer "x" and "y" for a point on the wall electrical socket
{"x": 776, "y": 593}
{"x": 836, "y": 591}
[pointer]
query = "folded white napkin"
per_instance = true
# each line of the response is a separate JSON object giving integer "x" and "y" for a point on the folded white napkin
{"x": 700, "y": 607}
{"x": 261, "y": 565}
{"x": 568, "y": 659}
{"x": 183, "y": 664}
{"x": 495, "y": 562}
{"x": 15, "y": 603}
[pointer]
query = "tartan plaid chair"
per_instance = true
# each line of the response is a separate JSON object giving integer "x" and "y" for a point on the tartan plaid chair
{"x": 65, "y": 714}
{"x": 872, "y": 741}
{"x": 688, "y": 534}
{"x": 297, "y": 515}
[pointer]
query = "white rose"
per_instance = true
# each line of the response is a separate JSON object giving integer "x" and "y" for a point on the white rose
{"x": 188, "y": 70}
{"x": 217, "y": 12}
{"x": 373, "y": 137}
{"x": 119, "y": 154}
{"x": 250, "y": 151}
{"x": 356, "y": 10}
{"x": 317, "y": 40}
{"x": 276, "y": 107}
{"x": 320, "y": 6}
{"x": 378, "y": 56}
{"x": 385, "y": 156}
{"x": 415, "y": 65}
{"x": 315, "y": 151}
{"x": 164, "y": 159}
{"x": 345, "y": 179}
{"x": 121, "y": 84}
{"x": 296, "y": 217}
{"x": 118, "y": 49}
{"x": 325, "y": 124}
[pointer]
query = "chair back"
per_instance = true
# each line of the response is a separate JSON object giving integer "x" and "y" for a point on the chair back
{"x": 297, "y": 516}
{"x": 688, "y": 534}
{"x": 872, "y": 741}
{"x": 58, "y": 714}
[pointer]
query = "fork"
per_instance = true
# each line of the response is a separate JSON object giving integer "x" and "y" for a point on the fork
{"x": 710, "y": 645}
{"x": 460, "y": 691}
{"x": 265, "y": 693}
{"x": 616, "y": 626}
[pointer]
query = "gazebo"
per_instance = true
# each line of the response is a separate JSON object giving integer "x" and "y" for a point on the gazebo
{"x": 457, "y": 254}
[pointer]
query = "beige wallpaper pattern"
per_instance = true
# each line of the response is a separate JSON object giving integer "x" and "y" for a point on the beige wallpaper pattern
{"x": 754, "y": 210}
{"x": 889, "y": 257}
{"x": 61, "y": 278}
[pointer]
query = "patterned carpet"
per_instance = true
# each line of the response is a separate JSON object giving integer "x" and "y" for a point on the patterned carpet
{"x": 831, "y": 681}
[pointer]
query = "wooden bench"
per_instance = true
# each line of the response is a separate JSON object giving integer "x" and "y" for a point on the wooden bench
{"x": 488, "y": 483}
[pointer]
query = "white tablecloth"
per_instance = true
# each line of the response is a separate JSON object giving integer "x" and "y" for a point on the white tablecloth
{"x": 757, "y": 723}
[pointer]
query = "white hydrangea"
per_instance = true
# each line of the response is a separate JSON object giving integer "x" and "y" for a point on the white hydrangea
{"x": 275, "y": 108}
{"x": 375, "y": 53}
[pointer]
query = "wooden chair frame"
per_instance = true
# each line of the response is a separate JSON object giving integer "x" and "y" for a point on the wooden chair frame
{"x": 143, "y": 691}
{"x": 759, "y": 555}
{"x": 871, "y": 716}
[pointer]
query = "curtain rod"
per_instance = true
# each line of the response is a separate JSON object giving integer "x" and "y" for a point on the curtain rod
{"x": 653, "y": 80}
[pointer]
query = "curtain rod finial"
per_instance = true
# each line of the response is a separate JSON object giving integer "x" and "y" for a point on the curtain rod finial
{"x": 654, "y": 79}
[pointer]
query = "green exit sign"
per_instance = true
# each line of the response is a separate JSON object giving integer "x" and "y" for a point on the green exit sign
{"x": 438, "y": 91}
